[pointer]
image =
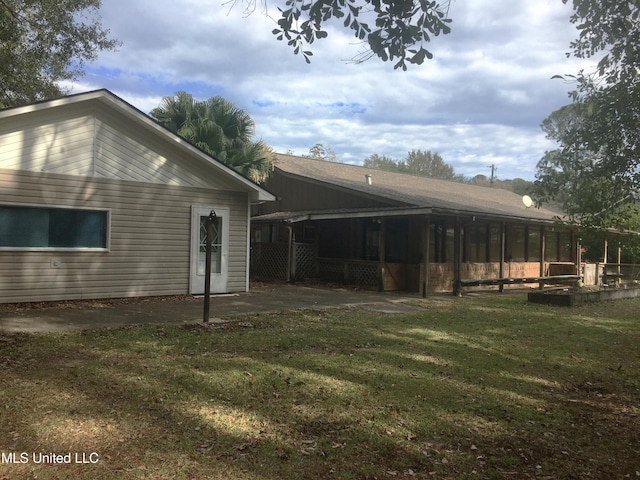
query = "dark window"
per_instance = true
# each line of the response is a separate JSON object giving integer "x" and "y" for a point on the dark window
{"x": 518, "y": 241}
{"x": 333, "y": 238}
{"x": 495, "y": 243}
{"x": 476, "y": 243}
{"x": 551, "y": 246}
{"x": 396, "y": 240}
{"x": 533, "y": 244}
{"x": 33, "y": 227}
{"x": 371, "y": 241}
{"x": 565, "y": 247}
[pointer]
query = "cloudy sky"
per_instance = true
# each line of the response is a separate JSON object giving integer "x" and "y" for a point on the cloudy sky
{"x": 479, "y": 102}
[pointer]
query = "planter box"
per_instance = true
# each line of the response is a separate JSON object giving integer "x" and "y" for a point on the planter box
{"x": 571, "y": 298}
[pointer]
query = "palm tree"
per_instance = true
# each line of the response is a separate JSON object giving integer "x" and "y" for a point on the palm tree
{"x": 219, "y": 128}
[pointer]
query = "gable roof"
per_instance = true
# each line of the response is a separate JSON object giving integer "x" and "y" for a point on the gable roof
{"x": 106, "y": 102}
{"x": 413, "y": 192}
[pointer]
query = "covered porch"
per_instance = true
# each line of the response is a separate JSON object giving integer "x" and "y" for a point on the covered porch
{"x": 415, "y": 249}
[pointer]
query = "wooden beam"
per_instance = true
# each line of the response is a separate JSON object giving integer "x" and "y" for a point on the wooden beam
{"x": 457, "y": 258}
{"x": 543, "y": 248}
{"x": 289, "y": 252}
{"x": 503, "y": 246}
{"x": 427, "y": 244}
{"x": 381, "y": 253}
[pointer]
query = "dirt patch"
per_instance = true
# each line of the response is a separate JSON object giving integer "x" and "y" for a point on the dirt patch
{"x": 92, "y": 304}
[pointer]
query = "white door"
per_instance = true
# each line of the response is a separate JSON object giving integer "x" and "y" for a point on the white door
{"x": 219, "y": 250}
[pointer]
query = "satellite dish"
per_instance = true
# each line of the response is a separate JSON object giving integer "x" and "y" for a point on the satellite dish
{"x": 527, "y": 201}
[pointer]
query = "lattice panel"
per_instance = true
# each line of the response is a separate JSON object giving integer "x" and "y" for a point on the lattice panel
{"x": 353, "y": 273}
{"x": 269, "y": 260}
{"x": 305, "y": 265}
{"x": 331, "y": 272}
{"x": 362, "y": 274}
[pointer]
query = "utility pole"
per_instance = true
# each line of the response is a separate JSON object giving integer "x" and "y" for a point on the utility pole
{"x": 493, "y": 173}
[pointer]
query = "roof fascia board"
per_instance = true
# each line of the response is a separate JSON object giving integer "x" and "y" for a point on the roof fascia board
{"x": 371, "y": 213}
{"x": 467, "y": 213}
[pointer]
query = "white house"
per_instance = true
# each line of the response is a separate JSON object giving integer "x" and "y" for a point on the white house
{"x": 97, "y": 200}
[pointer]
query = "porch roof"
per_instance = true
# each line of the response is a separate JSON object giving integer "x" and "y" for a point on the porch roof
{"x": 300, "y": 216}
{"x": 410, "y": 192}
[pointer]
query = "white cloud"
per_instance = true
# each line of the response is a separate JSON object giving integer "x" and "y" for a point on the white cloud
{"x": 480, "y": 101}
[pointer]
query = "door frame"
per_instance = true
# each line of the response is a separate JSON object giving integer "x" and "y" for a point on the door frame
{"x": 219, "y": 281}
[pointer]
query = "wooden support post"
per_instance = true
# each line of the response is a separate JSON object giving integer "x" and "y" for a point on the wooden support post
{"x": 381, "y": 254}
{"x": 579, "y": 259}
{"x": 605, "y": 257}
{"x": 427, "y": 243}
{"x": 503, "y": 246}
{"x": 457, "y": 258}
{"x": 543, "y": 248}
{"x": 289, "y": 252}
{"x": 619, "y": 261}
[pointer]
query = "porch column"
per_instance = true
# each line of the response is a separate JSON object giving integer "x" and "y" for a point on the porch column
{"x": 289, "y": 252}
{"x": 605, "y": 248}
{"x": 503, "y": 245}
{"x": 427, "y": 242}
{"x": 619, "y": 260}
{"x": 579, "y": 258}
{"x": 381, "y": 250}
{"x": 543, "y": 248}
{"x": 457, "y": 258}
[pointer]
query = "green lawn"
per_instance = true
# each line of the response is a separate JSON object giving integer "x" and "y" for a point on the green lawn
{"x": 477, "y": 387}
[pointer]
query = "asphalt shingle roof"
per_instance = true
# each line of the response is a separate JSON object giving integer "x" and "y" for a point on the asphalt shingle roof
{"x": 415, "y": 191}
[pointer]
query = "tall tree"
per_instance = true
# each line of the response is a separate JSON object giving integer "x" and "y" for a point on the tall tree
{"x": 417, "y": 163}
{"x": 597, "y": 163}
{"x": 320, "y": 152}
{"x": 429, "y": 164}
{"x": 383, "y": 162}
{"x": 219, "y": 128}
{"x": 43, "y": 42}
{"x": 392, "y": 30}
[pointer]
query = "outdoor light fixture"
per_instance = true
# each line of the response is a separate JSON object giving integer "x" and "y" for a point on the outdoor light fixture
{"x": 207, "y": 279}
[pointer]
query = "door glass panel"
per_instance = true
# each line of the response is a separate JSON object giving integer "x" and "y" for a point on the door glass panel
{"x": 216, "y": 246}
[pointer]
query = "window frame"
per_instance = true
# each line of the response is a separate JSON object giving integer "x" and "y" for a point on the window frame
{"x": 106, "y": 248}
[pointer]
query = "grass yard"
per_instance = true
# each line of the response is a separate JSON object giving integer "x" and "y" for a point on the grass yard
{"x": 486, "y": 387}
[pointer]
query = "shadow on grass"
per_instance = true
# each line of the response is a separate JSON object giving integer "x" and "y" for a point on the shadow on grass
{"x": 475, "y": 389}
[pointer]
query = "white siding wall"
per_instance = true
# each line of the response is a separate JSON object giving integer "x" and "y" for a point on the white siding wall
{"x": 91, "y": 140}
{"x": 149, "y": 239}
{"x": 125, "y": 151}
{"x": 59, "y": 142}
